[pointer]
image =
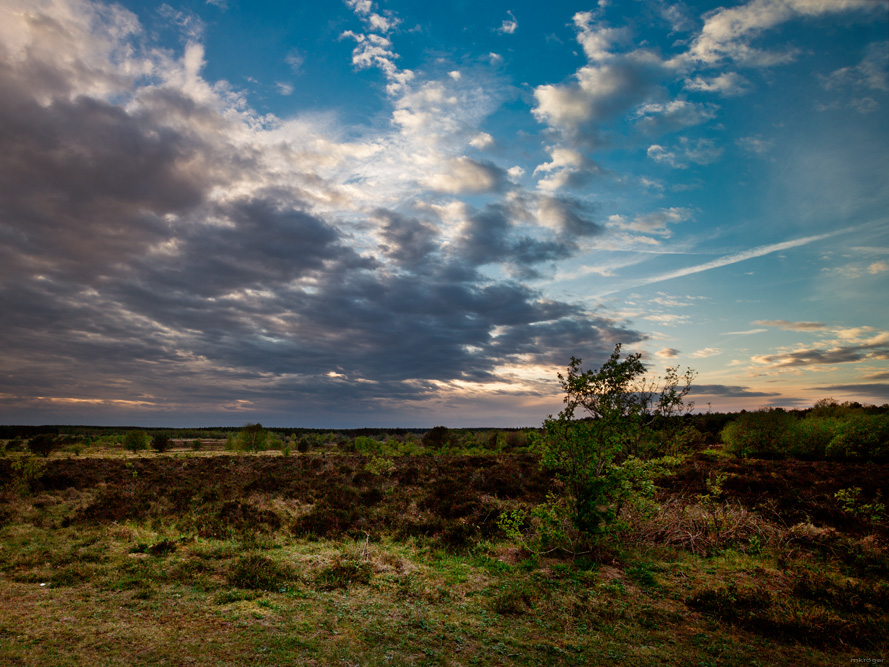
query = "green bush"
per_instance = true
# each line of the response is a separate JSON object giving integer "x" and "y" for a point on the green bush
{"x": 761, "y": 434}
{"x": 43, "y": 444}
{"x": 810, "y": 437}
{"x": 161, "y": 442}
{"x": 135, "y": 441}
{"x": 861, "y": 436}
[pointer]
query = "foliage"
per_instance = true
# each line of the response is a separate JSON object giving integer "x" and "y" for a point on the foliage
{"x": 380, "y": 465}
{"x": 851, "y": 501}
{"x": 43, "y": 444}
{"x": 251, "y": 438}
{"x": 26, "y": 472}
{"x": 437, "y": 438}
{"x": 161, "y": 442}
{"x": 830, "y": 430}
{"x": 135, "y": 441}
{"x": 596, "y": 457}
{"x": 762, "y": 434}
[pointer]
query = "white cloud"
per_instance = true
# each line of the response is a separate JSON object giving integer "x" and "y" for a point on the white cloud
{"x": 878, "y": 267}
{"x": 727, "y": 84}
{"x": 284, "y": 88}
{"x": 667, "y": 353}
{"x": 728, "y": 33}
{"x": 566, "y": 167}
{"x": 509, "y": 26}
{"x": 655, "y": 223}
{"x": 706, "y": 352}
{"x": 295, "y": 59}
{"x": 755, "y": 145}
{"x": 482, "y": 140}
{"x": 700, "y": 151}
{"x": 659, "y": 117}
{"x": 464, "y": 175}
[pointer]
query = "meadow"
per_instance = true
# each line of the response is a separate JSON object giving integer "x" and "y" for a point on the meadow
{"x": 335, "y": 550}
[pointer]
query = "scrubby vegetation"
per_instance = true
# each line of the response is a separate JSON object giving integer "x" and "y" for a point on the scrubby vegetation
{"x": 628, "y": 532}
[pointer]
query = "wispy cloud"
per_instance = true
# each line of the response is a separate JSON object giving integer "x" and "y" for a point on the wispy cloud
{"x": 792, "y": 326}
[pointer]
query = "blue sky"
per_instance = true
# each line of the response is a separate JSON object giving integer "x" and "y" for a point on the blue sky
{"x": 394, "y": 213}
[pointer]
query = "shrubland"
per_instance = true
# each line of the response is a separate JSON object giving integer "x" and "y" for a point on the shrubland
{"x": 622, "y": 530}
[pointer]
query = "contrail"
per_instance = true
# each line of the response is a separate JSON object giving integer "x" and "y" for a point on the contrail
{"x": 726, "y": 260}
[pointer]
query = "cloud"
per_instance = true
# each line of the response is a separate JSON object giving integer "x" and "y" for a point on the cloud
{"x": 701, "y": 151}
{"x": 567, "y": 168}
{"x": 793, "y": 326}
{"x": 464, "y": 175}
{"x": 509, "y": 26}
{"x": 567, "y": 216}
{"x": 878, "y": 267}
{"x": 874, "y": 391}
{"x": 660, "y": 118}
{"x": 748, "y": 332}
{"x": 727, "y": 84}
{"x": 728, "y": 260}
{"x": 706, "y": 352}
{"x": 755, "y": 145}
{"x": 651, "y": 224}
{"x": 834, "y": 352}
{"x": 728, "y": 33}
{"x": 167, "y": 248}
{"x": 870, "y": 75}
{"x": 667, "y": 353}
{"x": 728, "y": 391}
{"x": 284, "y": 88}
{"x": 296, "y": 60}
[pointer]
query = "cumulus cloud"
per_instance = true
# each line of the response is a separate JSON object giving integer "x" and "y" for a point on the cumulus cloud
{"x": 567, "y": 168}
{"x": 464, "y": 175}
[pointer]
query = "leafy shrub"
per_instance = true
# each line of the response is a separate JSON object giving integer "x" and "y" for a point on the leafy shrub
{"x": 759, "y": 434}
{"x": 596, "y": 457}
{"x": 861, "y": 436}
{"x": 809, "y": 438}
{"x": 135, "y": 441}
{"x": 161, "y": 442}
{"x": 437, "y": 438}
{"x": 43, "y": 444}
{"x": 26, "y": 472}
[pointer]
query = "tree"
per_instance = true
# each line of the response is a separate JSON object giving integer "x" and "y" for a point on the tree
{"x": 437, "y": 438}
{"x": 43, "y": 444}
{"x": 597, "y": 456}
{"x": 135, "y": 441}
{"x": 252, "y": 438}
{"x": 161, "y": 442}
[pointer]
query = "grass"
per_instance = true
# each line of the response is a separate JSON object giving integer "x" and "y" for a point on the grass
{"x": 83, "y": 582}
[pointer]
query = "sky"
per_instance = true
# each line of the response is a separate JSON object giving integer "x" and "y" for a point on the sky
{"x": 391, "y": 213}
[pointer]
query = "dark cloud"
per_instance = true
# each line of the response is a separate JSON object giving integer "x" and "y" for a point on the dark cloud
{"x": 730, "y": 391}
{"x": 876, "y": 391}
{"x": 408, "y": 241}
{"x": 155, "y": 268}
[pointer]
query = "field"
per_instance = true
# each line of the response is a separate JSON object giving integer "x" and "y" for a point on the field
{"x": 215, "y": 558}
